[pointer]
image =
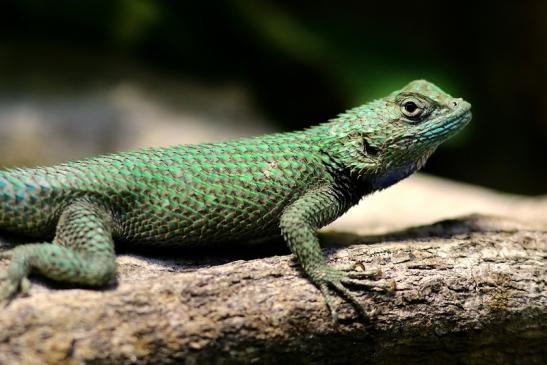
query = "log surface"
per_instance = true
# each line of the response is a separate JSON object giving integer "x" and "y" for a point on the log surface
{"x": 469, "y": 290}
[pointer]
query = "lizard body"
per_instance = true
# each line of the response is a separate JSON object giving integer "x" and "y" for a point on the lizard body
{"x": 287, "y": 184}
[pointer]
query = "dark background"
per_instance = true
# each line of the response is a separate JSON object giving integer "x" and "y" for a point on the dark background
{"x": 305, "y": 61}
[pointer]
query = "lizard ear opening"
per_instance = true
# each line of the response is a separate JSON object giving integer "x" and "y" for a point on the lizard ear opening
{"x": 365, "y": 147}
{"x": 369, "y": 149}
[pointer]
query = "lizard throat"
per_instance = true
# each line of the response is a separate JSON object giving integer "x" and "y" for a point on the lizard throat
{"x": 393, "y": 175}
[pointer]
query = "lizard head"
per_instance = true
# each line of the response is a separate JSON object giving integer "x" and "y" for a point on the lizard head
{"x": 396, "y": 134}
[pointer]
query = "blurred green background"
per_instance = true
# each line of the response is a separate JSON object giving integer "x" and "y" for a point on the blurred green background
{"x": 302, "y": 62}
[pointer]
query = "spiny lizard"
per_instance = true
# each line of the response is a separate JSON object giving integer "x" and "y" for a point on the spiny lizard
{"x": 287, "y": 184}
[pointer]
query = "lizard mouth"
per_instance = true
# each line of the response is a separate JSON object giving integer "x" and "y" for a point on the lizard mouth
{"x": 457, "y": 123}
{"x": 458, "y": 119}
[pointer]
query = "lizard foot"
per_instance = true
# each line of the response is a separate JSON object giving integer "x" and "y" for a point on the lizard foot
{"x": 12, "y": 284}
{"x": 331, "y": 278}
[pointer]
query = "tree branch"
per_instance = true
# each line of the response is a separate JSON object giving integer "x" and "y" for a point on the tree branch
{"x": 468, "y": 290}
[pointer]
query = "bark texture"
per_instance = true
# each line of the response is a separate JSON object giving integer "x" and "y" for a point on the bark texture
{"x": 469, "y": 290}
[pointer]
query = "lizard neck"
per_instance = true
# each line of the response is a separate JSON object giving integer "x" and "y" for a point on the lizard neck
{"x": 390, "y": 176}
{"x": 352, "y": 187}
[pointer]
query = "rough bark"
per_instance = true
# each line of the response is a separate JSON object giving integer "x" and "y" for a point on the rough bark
{"x": 469, "y": 290}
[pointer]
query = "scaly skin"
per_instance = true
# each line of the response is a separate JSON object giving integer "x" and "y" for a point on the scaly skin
{"x": 288, "y": 183}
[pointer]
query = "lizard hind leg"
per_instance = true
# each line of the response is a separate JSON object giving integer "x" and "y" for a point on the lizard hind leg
{"x": 82, "y": 252}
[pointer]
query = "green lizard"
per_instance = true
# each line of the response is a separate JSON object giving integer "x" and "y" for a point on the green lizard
{"x": 287, "y": 184}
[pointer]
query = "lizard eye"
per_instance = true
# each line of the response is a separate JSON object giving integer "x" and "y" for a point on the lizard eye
{"x": 413, "y": 108}
{"x": 410, "y": 107}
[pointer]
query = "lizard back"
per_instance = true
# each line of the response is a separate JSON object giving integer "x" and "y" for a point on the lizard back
{"x": 193, "y": 194}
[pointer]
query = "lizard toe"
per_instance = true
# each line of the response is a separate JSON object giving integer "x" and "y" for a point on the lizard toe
{"x": 336, "y": 280}
{"x": 358, "y": 270}
{"x": 381, "y": 285}
{"x": 13, "y": 283}
{"x": 339, "y": 287}
{"x": 364, "y": 274}
{"x": 328, "y": 301}
{"x": 8, "y": 287}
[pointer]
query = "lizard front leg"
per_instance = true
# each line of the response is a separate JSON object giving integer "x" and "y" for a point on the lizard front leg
{"x": 82, "y": 252}
{"x": 299, "y": 223}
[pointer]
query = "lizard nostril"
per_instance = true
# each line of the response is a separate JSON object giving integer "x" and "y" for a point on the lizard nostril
{"x": 454, "y": 103}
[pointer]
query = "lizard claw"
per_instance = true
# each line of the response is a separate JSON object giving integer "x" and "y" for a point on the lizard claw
{"x": 359, "y": 271}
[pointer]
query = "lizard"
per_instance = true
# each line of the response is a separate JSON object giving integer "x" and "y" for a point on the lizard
{"x": 286, "y": 184}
